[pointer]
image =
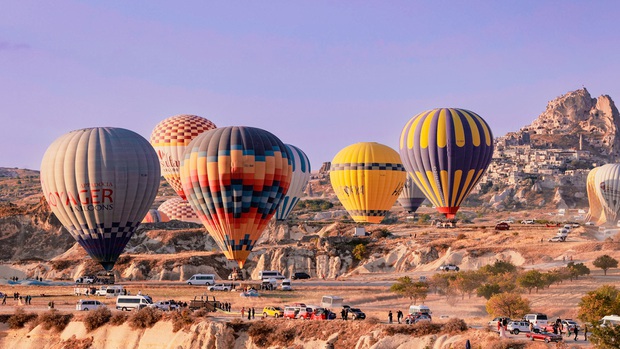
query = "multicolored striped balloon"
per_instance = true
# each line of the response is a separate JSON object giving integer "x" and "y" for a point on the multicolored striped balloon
{"x": 170, "y": 139}
{"x": 234, "y": 178}
{"x": 301, "y": 176}
{"x": 100, "y": 182}
{"x": 180, "y": 210}
{"x": 446, "y": 151}
{"x": 607, "y": 182}
{"x": 367, "y": 178}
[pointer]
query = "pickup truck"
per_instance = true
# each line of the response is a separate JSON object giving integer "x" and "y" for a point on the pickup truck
{"x": 449, "y": 267}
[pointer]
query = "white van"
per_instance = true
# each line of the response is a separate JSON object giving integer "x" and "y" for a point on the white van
{"x": 331, "y": 302}
{"x": 132, "y": 302}
{"x": 201, "y": 279}
{"x": 270, "y": 274}
{"x": 286, "y": 285}
{"x": 610, "y": 320}
{"x": 88, "y": 304}
{"x": 419, "y": 309}
{"x": 113, "y": 291}
{"x": 538, "y": 319}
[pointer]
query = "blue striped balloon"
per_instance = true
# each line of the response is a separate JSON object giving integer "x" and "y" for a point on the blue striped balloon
{"x": 301, "y": 176}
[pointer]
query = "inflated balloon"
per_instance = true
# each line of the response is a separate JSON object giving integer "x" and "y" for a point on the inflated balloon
{"x": 607, "y": 181}
{"x": 596, "y": 213}
{"x": 179, "y": 209}
{"x": 100, "y": 182}
{"x": 170, "y": 139}
{"x": 301, "y": 176}
{"x": 411, "y": 197}
{"x": 235, "y": 177}
{"x": 367, "y": 178}
{"x": 155, "y": 216}
{"x": 446, "y": 151}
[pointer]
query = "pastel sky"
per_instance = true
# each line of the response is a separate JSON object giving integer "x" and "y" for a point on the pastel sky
{"x": 318, "y": 74}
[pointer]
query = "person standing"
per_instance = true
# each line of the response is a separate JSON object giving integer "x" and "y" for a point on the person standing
{"x": 390, "y": 317}
{"x": 399, "y": 315}
{"x": 467, "y": 345}
{"x": 249, "y": 314}
{"x": 499, "y": 325}
{"x": 253, "y": 312}
{"x": 343, "y": 313}
{"x": 585, "y": 332}
{"x": 576, "y": 332}
{"x": 242, "y": 311}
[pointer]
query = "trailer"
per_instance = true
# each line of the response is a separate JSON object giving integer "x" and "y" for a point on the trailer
{"x": 203, "y": 302}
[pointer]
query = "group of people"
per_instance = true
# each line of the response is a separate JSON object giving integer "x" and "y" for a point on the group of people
{"x": 22, "y": 300}
{"x": 399, "y": 316}
{"x": 251, "y": 312}
{"x": 225, "y": 306}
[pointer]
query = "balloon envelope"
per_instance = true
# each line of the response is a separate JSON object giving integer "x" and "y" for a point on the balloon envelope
{"x": 179, "y": 209}
{"x": 411, "y": 197}
{"x": 234, "y": 178}
{"x": 367, "y": 177}
{"x": 596, "y": 213}
{"x": 446, "y": 151}
{"x": 155, "y": 216}
{"x": 170, "y": 138}
{"x": 607, "y": 181}
{"x": 100, "y": 183}
{"x": 299, "y": 179}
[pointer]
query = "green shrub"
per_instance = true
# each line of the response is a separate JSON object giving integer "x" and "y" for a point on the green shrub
{"x": 118, "y": 319}
{"x": 97, "y": 318}
{"x": 145, "y": 318}
{"x": 54, "y": 319}
{"x": 20, "y": 318}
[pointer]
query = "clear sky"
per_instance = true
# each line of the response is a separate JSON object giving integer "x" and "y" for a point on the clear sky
{"x": 320, "y": 75}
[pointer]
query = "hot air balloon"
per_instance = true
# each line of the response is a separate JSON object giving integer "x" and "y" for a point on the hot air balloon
{"x": 170, "y": 139}
{"x": 411, "y": 197}
{"x": 446, "y": 151}
{"x": 596, "y": 213}
{"x": 367, "y": 178}
{"x": 234, "y": 178}
{"x": 100, "y": 182}
{"x": 301, "y": 176}
{"x": 179, "y": 209}
{"x": 155, "y": 216}
{"x": 607, "y": 181}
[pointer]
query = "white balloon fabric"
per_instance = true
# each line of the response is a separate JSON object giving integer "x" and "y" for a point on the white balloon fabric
{"x": 411, "y": 197}
{"x": 100, "y": 182}
{"x": 301, "y": 176}
{"x": 179, "y": 209}
{"x": 607, "y": 181}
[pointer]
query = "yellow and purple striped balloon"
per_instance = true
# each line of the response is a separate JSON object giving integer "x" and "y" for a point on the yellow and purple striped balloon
{"x": 446, "y": 151}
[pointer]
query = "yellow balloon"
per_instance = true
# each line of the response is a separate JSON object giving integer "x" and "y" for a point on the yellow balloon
{"x": 367, "y": 178}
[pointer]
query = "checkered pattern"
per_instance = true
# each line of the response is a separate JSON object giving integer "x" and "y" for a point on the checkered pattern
{"x": 369, "y": 213}
{"x": 179, "y": 209}
{"x": 179, "y": 130}
{"x": 104, "y": 243}
{"x": 368, "y": 166}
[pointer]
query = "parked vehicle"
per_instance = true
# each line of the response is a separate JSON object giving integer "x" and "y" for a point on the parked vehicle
{"x": 88, "y": 304}
{"x": 502, "y": 226}
{"x": 300, "y": 276}
{"x": 286, "y": 285}
{"x": 610, "y": 320}
{"x": 544, "y": 336}
{"x": 270, "y": 274}
{"x": 449, "y": 267}
{"x": 356, "y": 314}
{"x": 201, "y": 279}
{"x": 557, "y": 239}
{"x": 493, "y": 323}
{"x": 515, "y": 327}
{"x": 538, "y": 319}
{"x": 331, "y": 302}
{"x": 322, "y": 314}
{"x": 305, "y": 313}
{"x": 125, "y": 303}
{"x": 291, "y": 312}
{"x": 528, "y": 221}
{"x": 273, "y": 311}
{"x": 168, "y": 305}
{"x": 86, "y": 279}
{"x": 570, "y": 324}
{"x": 220, "y": 287}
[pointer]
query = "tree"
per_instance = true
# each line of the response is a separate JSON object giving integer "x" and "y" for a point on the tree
{"x": 499, "y": 267}
{"x": 488, "y": 290}
{"x": 577, "y": 270}
{"x": 605, "y": 300}
{"x": 508, "y": 304}
{"x": 467, "y": 282}
{"x": 405, "y": 287}
{"x": 605, "y": 262}
{"x": 531, "y": 279}
{"x": 605, "y": 337}
{"x": 359, "y": 252}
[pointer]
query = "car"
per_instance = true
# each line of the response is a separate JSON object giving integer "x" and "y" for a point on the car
{"x": 449, "y": 267}
{"x": 356, "y": 314}
{"x": 322, "y": 314}
{"x": 570, "y": 324}
{"x": 493, "y": 323}
{"x": 515, "y": 327}
{"x": 411, "y": 319}
{"x": 87, "y": 279}
{"x": 544, "y": 336}
{"x": 273, "y": 311}
{"x": 590, "y": 223}
{"x": 88, "y": 304}
{"x": 220, "y": 287}
{"x": 291, "y": 312}
{"x": 528, "y": 221}
{"x": 502, "y": 226}
{"x": 300, "y": 276}
{"x": 305, "y": 313}
{"x": 557, "y": 239}
{"x": 168, "y": 305}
